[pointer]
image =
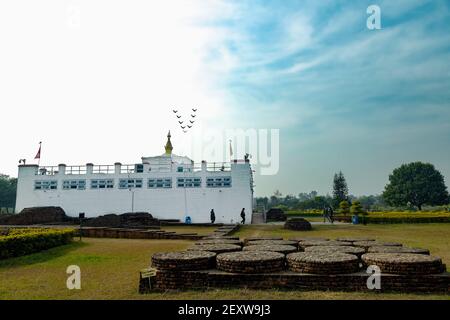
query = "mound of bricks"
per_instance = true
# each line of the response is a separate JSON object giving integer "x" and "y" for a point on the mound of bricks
{"x": 250, "y": 262}
{"x": 271, "y": 247}
{"x": 185, "y": 260}
{"x": 332, "y": 249}
{"x": 386, "y": 249}
{"x": 322, "y": 262}
{"x": 303, "y": 244}
{"x": 405, "y": 263}
{"x": 298, "y": 224}
{"x": 218, "y": 241}
{"x": 368, "y": 244}
{"x": 216, "y": 247}
{"x": 355, "y": 239}
{"x": 273, "y": 242}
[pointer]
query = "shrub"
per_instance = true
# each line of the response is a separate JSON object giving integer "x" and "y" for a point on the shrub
{"x": 344, "y": 207}
{"x": 356, "y": 208}
{"x": 401, "y": 217}
{"x": 21, "y": 242}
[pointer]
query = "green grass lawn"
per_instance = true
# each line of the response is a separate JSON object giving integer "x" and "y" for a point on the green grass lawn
{"x": 110, "y": 267}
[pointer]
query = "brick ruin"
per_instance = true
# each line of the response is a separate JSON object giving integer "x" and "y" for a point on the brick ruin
{"x": 313, "y": 264}
{"x": 299, "y": 224}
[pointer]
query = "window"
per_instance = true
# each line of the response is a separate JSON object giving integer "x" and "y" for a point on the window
{"x": 218, "y": 182}
{"x": 189, "y": 182}
{"x": 160, "y": 183}
{"x": 180, "y": 169}
{"x": 139, "y": 168}
{"x": 130, "y": 183}
{"x": 74, "y": 184}
{"x": 46, "y": 185}
{"x": 102, "y": 184}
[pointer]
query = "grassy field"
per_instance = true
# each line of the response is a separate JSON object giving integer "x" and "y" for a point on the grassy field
{"x": 110, "y": 267}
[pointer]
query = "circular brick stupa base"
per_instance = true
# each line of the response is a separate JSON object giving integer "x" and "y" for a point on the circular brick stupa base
{"x": 301, "y": 239}
{"x": 183, "y": 261}
{"x": 220, "y": 241}
{"x": 386, "y": 249}
{"x": 213, "y": 237}
{"x": 405, "y": 263}
{"x": 250, "y": 262}
{"x": 247, "y": 240}
{"x": 215, "y": 247}
{"x": 355, "y": 239}
{"x": 341, "y": 249}
{"x": 272, "y": 242}
{"x": 368, "y": 244}
{"x": 271, "y": 247}
{"x": 298, "y": 224}
{"x": 323, "y": 262}
{"x": 309, "y": 243}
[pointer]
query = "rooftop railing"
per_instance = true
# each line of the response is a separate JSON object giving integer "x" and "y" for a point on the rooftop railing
{"x": 133, "y": 168}
{"x": 47, "y": 171}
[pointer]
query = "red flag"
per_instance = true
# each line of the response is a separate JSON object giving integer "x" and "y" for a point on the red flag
{"x": 38, "y": 154}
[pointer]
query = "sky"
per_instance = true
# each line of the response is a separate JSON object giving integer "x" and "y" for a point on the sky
{"x": 96, "y": 81}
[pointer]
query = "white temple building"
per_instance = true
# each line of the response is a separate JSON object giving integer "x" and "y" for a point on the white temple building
{"x": 167, "y": 186}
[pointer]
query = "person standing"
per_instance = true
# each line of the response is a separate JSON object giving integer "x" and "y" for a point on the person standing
{"x": 243, "y": 216}
{"x": 213, "y": 216}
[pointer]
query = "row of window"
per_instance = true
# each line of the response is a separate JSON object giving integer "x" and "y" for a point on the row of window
{"x": 159, "y": 183}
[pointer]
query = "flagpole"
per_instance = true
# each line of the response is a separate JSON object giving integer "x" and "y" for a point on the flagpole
{"x": 231, "y": 152}
{"x": 40, "y": 148}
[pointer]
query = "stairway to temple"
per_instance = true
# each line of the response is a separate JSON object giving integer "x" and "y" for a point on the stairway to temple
{"x": 258, "y": 218}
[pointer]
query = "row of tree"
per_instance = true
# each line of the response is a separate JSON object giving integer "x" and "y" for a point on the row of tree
{"x": 411, "y": 185}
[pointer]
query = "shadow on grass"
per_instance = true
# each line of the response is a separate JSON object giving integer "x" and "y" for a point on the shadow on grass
{"x": 42, "y": 256}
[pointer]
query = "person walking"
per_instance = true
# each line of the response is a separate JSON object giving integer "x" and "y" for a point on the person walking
{"x": 213, "y": 216}
{"x": 330, "y": 214}
{"x": 243, "y": 216}
{"x": 325, "y": 213}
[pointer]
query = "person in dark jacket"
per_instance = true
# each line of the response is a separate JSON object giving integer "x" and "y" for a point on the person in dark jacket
{"x": 243, "y": 216}
{"x": 331, "y": 214}
{"x": 213, "y": 216}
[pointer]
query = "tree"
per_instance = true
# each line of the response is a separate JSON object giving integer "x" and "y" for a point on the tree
{"x": 8, "y": 188}
{"x": 356, "y": 208}
{"x": 318, "y": 203}
{"x": 340, "y": 189}
{"x": 417, "y": 184}
{"x": 344, "y": 207}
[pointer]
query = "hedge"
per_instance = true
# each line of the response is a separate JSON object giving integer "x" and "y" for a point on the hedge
{"x": 23, "y": 243}
{"x": 394, "y": 219}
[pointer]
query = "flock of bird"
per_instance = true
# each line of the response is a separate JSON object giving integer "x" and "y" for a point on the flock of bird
{"x": 185, "y": 125}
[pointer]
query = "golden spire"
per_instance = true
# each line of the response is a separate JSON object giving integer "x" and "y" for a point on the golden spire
{"x": 168, "y": 146}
